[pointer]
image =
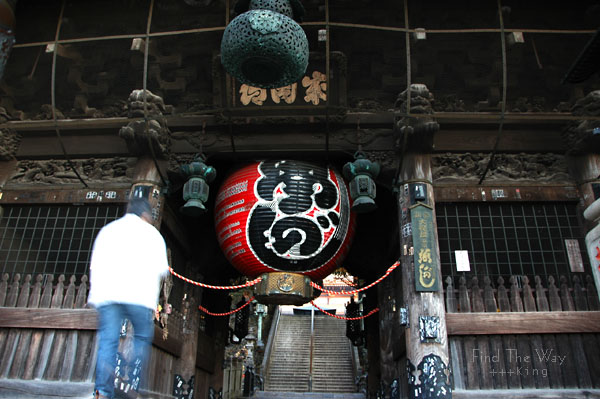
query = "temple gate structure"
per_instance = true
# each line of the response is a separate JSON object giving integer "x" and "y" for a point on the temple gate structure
{"x": 464, "y": 136}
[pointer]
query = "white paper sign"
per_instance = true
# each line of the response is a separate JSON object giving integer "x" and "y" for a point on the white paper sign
{"x": 574, "y": 255}
{"x": 462, "y": 261}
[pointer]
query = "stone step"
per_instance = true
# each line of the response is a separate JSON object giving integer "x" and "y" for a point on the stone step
{"x": 291, "y": 355}
{"x": 286, "y": 373}
{"x": 306, "y": 395}
{"x": 335, "y": 387}
{"x": 328, "y": 369}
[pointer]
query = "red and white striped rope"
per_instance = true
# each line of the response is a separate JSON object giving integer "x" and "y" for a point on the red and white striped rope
{"x": 346, "y": 281}
{"x": 202, "y": 308}
{"x": 217, "y": 287}
{"x": 345, "y": 318}
{"x": 330, "y": 292}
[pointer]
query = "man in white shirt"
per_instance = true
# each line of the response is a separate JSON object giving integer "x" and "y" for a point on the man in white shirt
{"x": 129, "y": 258}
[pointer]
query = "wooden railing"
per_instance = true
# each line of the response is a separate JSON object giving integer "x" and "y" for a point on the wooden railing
{"x": 520, "y": 296}
{"x": 523, "y": 336}
{"x": 482, "y": 309}
{"x": 47, "y": 333}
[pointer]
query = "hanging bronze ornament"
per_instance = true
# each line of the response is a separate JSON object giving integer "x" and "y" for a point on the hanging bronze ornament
{"x": 196, "y": 189}
{"x": 361, "y": 174}
{"x": 264, "y": 46}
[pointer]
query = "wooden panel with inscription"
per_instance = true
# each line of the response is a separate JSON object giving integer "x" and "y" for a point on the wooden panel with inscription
{"x": 310, "y": 94}
{"x": 505, "y": 192}
{"x": 68, "y": 196}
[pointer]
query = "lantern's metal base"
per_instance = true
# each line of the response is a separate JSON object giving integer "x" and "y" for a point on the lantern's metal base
{"x": 193, "y": 207}
{"x": 282, "y": 288}
{"x": 364, "y": 204}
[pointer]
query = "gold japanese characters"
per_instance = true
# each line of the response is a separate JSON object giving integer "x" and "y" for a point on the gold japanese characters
{"x": 315, "y": 91}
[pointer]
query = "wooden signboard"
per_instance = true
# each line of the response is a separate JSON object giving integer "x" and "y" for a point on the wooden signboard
{"x": 312, "y": 92}
{"x": 425, "y": 254}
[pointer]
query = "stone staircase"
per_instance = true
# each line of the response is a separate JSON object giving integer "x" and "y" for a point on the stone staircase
{"x": 332, "y": 360}
{"x": 290, "y": 355}
{"x": 290, "y": 358}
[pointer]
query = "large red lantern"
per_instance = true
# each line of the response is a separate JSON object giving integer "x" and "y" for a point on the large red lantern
{"x": 287, "y": 217}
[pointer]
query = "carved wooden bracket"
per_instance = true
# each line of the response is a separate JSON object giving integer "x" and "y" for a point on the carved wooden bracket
{"x": 413, "y": 121}
{"x": 149, "y": 136}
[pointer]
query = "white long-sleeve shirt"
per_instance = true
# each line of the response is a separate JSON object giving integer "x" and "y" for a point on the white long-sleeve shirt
{"x": 129, "y": 258}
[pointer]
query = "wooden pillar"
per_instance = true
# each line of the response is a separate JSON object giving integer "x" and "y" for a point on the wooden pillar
{"x": 428, "y": 368}
{"x": 7, "y": 169}
{"x": 9, "y": 144}
{"x": 592, "y": 240}
{"x": 148, "y": 140}
{"x": 373, "y": 353}
{"x": 585, "y": 169}
{"x": 582, "y": 140}
{"x": 185, "y": 369}
{"x": 426, "y": 337}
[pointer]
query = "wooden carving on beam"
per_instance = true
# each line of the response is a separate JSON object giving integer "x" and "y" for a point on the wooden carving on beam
{"x": 507, "y": 167}
{"x": 149, "y": 135}
{"x": 415, "y": 132}
{"x": 58, "y": 171}
{"x": 9, "y": 143}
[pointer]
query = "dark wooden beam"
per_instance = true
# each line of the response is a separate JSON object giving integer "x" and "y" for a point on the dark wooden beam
{"x": 522, "y": 323}
{"x": 81, "y": 146}
{"x": 383, "y": 117}
{"x": 483, "y": 139}
{"x": 31, "y": 389}
{"x": 71, "y": 319}
{"x": 94, "y": 195}
{"x": 502, "y": 192}
{"x": 462, "y": 131}
{"x": 60, "y": 319}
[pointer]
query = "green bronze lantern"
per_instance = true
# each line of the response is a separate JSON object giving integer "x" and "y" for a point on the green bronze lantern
{"x": 361, "y": 173}
{"x": 196, "y": 189}
{"x": 264, "y": 46}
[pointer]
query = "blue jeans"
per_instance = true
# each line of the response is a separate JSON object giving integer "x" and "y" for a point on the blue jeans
{"x": 109, "y": 326}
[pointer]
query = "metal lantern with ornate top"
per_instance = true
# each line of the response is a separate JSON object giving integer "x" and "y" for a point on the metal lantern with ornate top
{"x": 264, "y": 46}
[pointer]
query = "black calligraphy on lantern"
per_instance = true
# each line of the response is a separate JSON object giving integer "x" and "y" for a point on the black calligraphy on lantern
{"x": 299, "y": 220}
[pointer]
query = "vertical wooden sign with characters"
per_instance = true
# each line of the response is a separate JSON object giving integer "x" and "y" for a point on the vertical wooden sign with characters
{"x": 425, "y": 254}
